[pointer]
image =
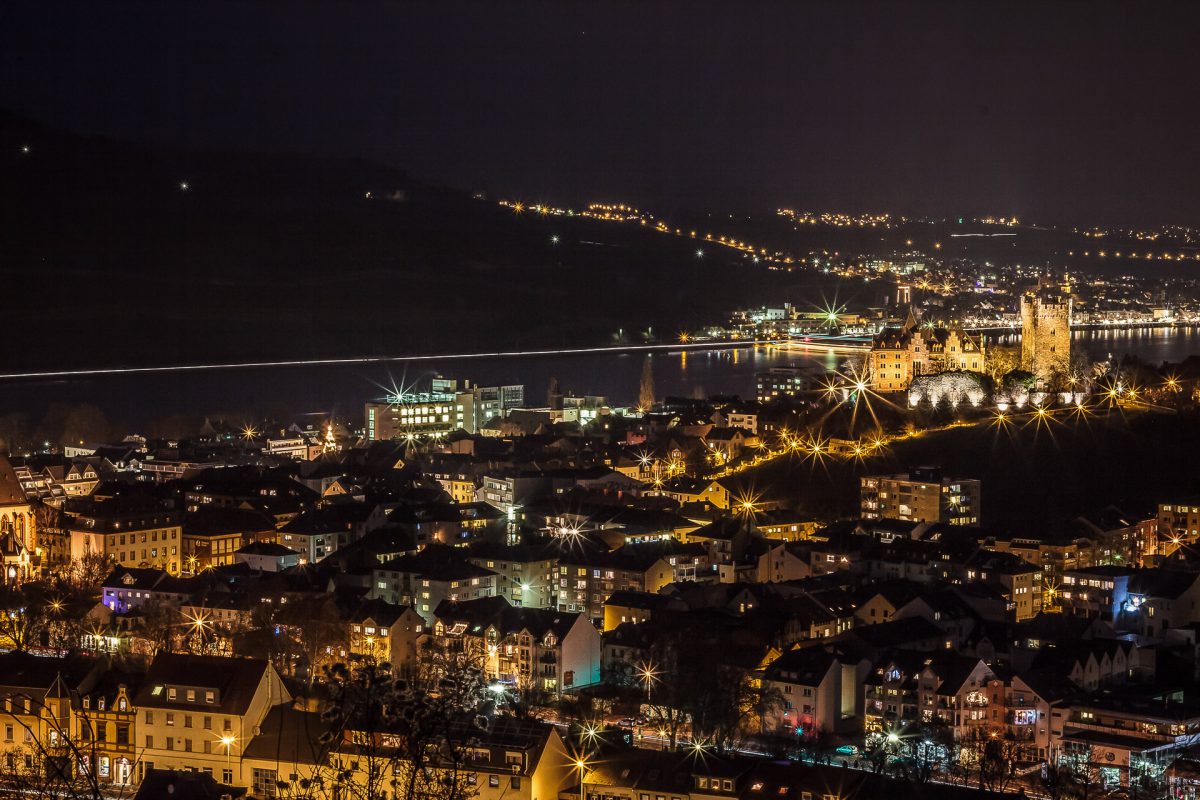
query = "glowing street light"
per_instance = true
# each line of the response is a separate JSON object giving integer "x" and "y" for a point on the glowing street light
{"x": 581, "y": 765}
{"x": 648, "y": 675}
{"x": 229, "y": 740}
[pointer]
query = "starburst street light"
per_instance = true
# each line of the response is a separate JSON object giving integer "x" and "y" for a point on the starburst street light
{"x": 699, "y": 253}
{"x": 648, "y": 675}
{"x": 229, "y": 740}
{"x": 590, "y": 732}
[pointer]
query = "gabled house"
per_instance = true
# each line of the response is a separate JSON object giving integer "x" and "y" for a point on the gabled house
{"x": 200, "y": 712}
{"x": 533, "y": 649}
{"x": 820, "y": 691}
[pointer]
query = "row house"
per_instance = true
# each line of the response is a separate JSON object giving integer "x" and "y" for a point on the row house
{"x": 318, "y": 532}
{"x": 953, "y": 691}
{"x": 1018, "y": 581}
{"x": 532, "y": 649}
{"x": 1054, "y": 556}
{"x": 525, "y": 574}
{"x": 589, "y": 576}
{"x": 511, "y": 759}
{"x": 36, "y": 698}
{"x": 273, "y": 493}
{"x": 444, "y": 523}
{"x": 133, "y": 534}
{"x": 1127, "y": 736}
{"x": 1176, "y": 525}
{"x": 127, "y": 588}
{"x": 624, "y": 606}
{"x": 1160, "y": 599}
{"x": 212, "y": 535}
{"x": 1097, "y": 662}
{"x": 891, "y": 700}
{"x": 383, "y": 633}
{"x": 427, "y": 578}
{"x": 1093, "y": 591}
{"x": 105, "y": 724}
{"x": 820, "y": 690}
{"x": 199, "y": 713}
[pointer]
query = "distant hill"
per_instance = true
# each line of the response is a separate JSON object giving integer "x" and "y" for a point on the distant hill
{"x": 109, "y": 261}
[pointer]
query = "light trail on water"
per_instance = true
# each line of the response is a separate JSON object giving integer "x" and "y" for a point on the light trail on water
{"x": 822, "y": 344}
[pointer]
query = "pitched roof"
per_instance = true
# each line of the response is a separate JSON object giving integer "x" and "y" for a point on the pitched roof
{"x": 183, "y": 785}
{"x": 235, "y": 679}
{"x": 437, "y": 562}
{"x": 507, "y": 619}
{"x": 805, "y": 666}
{"x": 11, "y": 492}
{"x": 1161, "y": 582}
{"x": 215, "y": 521}
{"x": 266, "y": 549}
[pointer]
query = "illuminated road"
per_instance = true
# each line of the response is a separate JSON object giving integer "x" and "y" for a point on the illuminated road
{"x": 835, "y": 344}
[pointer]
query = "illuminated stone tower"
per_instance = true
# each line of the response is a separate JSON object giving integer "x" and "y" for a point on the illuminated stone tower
{"x": 1046, "y": 332}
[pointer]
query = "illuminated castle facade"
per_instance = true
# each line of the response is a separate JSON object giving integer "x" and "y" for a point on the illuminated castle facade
{"x": 1046, "y": 331}
{"x": 898, "y": 355}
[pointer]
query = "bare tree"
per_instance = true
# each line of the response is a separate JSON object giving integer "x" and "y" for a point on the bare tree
{"x": 407, "y": 742}
{"x": 993, "y": 757}
{"x": 1000, "y": 360}
{"x": 1073, "y": 775}
{"x": 161, "y": 625}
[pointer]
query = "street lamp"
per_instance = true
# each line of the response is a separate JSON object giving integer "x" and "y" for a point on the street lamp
{"x": 648, "y": 676}
{"x": 228, "y": 740}
{"x": 581, "y": 765}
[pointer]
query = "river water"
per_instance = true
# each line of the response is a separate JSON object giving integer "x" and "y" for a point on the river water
{"x": 250, "y": 393}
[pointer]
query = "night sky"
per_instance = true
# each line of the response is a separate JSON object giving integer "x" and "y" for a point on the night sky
{"x": 1056, "y": 111}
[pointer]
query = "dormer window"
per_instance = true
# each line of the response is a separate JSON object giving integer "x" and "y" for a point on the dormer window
{"x": 87, "y": 702}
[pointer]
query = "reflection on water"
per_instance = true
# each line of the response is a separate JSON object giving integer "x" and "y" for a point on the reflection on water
{"x": 342, "y": 389}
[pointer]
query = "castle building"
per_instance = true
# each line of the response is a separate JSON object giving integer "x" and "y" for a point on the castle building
{"x": 900, "y": 354}
{"x": 1046, "y": 332}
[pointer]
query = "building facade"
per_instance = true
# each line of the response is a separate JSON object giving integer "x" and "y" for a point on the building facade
{"x": 1046, "y": 333}
{"x": 898, "y": 355}
{"x": 923, "y": 494}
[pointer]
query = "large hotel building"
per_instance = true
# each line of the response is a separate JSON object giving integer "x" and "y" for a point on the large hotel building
{"x": 448, "y": 406}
